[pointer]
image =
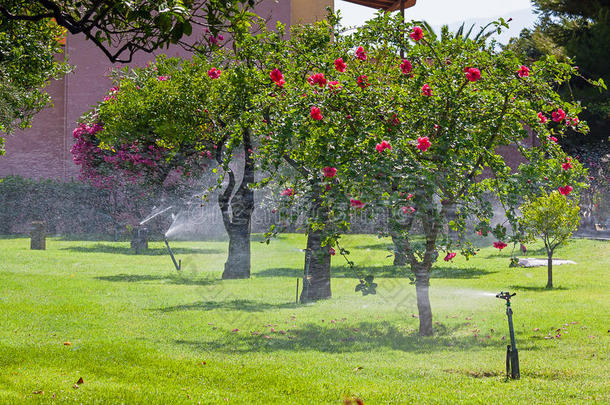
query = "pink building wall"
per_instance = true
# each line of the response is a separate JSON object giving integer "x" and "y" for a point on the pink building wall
{"x": 43, "y": 151}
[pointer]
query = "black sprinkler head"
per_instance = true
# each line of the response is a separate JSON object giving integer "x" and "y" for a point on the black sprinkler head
{"x": 505, "y": 295}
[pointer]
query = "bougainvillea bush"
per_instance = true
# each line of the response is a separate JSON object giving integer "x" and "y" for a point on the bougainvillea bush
{"x": 362, "y": 128}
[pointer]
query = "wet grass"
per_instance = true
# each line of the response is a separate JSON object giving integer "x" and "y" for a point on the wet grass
{"x": 137, "y": 331}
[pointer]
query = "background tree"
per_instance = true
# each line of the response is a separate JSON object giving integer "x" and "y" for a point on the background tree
{"x": 28, "y": 60}
{"x": 120, "y": 28}
{"x": 580, "y": 31}
{"x": 553, "y": 218}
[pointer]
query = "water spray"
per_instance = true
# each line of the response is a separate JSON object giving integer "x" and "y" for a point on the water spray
{"x": 148, "y": 218}
{"x": 512, "y": 356}
{"x": 177, "y": 264}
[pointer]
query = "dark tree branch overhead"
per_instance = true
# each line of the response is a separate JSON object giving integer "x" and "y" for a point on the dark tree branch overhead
{"x": 120, "y": 28}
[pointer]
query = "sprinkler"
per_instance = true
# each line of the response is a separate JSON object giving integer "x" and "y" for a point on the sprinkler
{"x": 177, "y": 264}
{"x": 512, "y": 356}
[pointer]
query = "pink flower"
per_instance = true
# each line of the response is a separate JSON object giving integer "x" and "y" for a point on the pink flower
{"x": 473, "y": 74}
{"x": 552, "y": 139}
{"x": 340, "y": 66}
{"x": 331, "y": 251}
{"x": 500, "y": 245}
{"x": 426, "y": 90}
{"x": 575, "y": 121}
{"x": 329, "y": 172}
{"x": 423, "y": 143}
{"x": 450, "y": 256}
{"x": 318, "y": 79}
{"x": 214, "y": 73}
{"x": 565, "y": 190}
{"x": 416, "y": 33}
{"x": 288, "y": 192}
{"x": 567, "y": 165}
{"x": 360, "y": 54}
{"x": 363, "y": 81}
{"x": 407, "y": 210}
{"x": 356, "y": 203}
{"x": 162, "y": 78}
{"x": 523, "y": 71}
{"x": 277, "y": 77}
{"x": 559, "y": 115}
{"x": 383, "y": 146}
{"x": 542, "y": 118}
{"x": 405, "y": 67}
{"x": 334, "y": 86}
{"x": 316, "y": 114}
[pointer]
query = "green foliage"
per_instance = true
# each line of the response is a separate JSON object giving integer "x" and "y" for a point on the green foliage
{"x": 120, "y": 28}
{"x": 552, "y": 217}
{"x": 578, "y": 31}
{"x": 28, "y": 60}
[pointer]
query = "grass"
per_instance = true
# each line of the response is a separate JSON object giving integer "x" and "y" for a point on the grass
{"x": 140, "y": 333}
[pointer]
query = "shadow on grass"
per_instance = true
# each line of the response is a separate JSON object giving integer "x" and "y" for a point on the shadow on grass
{"x": 362, "y": 337}
{"x": 126, "y": 250}
{"x": 234, "y": 305}
{"x": 535, "y": 288}
{"x": 162, "y": 279}
{"x": 442, "y": 272}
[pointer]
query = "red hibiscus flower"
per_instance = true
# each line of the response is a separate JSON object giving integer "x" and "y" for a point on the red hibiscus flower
{"x": 334, "y": 86}
{"x": 356, "y": 203}
{"x": 552, "y": 139}
{"x": 214, "y": 73}
{"x": 423, "y": 143}
{"x": 426, "y": 90}
{"x": 331, "y": 251}
{"x": 416, "y": 33}
{"x": 500, "y": 245}
{"x": 567, "y": 165}
{"x": 340, "y": 66}
{"x": 329, "y": 172}
{"x": 288, "y": 192}
{"x": 277, "y": 77}
{"x": 360, "y": 54}
{"x": 542, "y": 118}
{"x": 163, "y": 78}
{"x": 523, "y": 71}
{"x": 318, "y": 79}
{"x": 559, "y": 115}
{"x": 316, "y": 114}
{"x": 363, "y": 81}
{"x": 383, "y": 146}
{"x": 473, "y": 74}
{"x": 450, "y": 256}
{"x": 565, "y": 190}
{"x": 405, "y": 66}
{"x": 407, "y": 210}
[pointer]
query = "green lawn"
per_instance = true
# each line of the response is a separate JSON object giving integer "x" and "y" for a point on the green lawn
{"x": 138, "y": 333}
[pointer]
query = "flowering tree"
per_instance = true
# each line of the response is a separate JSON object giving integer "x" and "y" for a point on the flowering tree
{"x": 363, "y": 128}
{"x": 137, "y": 175}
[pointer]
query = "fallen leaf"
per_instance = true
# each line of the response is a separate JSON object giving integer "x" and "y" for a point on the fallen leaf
{"x": 358, "y": 369}
{"x": 67, "y": 344}
{"x": 75, "y": 386}
{"x": 38, "y": 392}
{"x": 80, "y": 381}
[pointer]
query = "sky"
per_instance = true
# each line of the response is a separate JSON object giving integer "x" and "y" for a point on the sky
{"x": 439, "y": 12}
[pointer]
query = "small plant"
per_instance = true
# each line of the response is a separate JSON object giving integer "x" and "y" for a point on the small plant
{"x": 553, "y": 218}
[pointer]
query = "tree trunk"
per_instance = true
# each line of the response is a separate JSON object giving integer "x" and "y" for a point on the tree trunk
{"x": 549, "y": 270}
{"x": 238, "y": 260}
{"x": 400, "y": 258}
{"x": 422, "y": 285}
{"x": 316, "y": 277}
{"x": 237, "y": 223}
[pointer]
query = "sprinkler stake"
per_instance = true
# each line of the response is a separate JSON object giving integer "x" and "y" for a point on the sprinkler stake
{"x": 512, "y": 355}
{"x": 177, "y": 264}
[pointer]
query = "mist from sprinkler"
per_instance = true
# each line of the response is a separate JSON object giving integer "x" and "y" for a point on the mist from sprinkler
{"x": 512, "y": 356}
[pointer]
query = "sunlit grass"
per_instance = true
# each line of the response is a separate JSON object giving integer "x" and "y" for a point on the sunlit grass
{"x": 139, "y": 332}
